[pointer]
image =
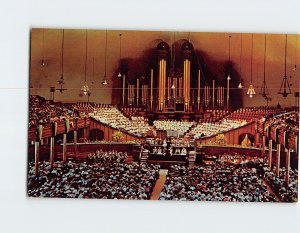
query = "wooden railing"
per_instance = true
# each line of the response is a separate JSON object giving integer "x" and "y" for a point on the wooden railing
{"x": 109, "y": 132}
{"x": 47, "y": 128}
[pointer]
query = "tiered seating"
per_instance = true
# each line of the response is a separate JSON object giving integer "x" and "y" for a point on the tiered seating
{"x": 42, "y": 112}
{"x": 288, "y": 122}
{"x": 132, "y": 111}
{"x": 113, "y": 117}
{"x": 253, "y": 114}
{"x": 209, "y": 129}
{"x": 85, "y": 108}
{"x": 213, "y": 115}
{"x": 234, "y": 120}
{"x": 180, "y": 126}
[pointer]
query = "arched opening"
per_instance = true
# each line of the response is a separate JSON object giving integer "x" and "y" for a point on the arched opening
{"x": 246, "y": 139}
{"x": 96, "y": 135}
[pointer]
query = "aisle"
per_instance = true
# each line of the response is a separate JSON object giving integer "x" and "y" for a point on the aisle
{"x": 271, "y": 190}
{"x": 159, "y": 184}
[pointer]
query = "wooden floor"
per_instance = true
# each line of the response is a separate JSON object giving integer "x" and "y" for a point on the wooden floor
{"x": 159, "y": 184}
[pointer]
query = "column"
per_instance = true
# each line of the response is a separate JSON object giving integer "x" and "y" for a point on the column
{"x": 287, "y": 167}
{"x": 199, "y": 90}
{"x": 218, "y": 96}
{"x": 52, "y": 158}
{"x": 297, "y": 144}
{"x": 213, "y": 94}
{"x": 36, "y": 156}
{"x": 270, "y": 154}
{"x": 84, "y": 132}
{"x": 263, "y": 146}
{"x": 64, "y": 147}
{"x": 228, "y": 85}
{"x": 151, "y": 89}
{"x": 137, "y": 91}
{"x": 278, "y": 159}
{"x": 123, "y": 90}
{"x": 75, "y": 142}
{"x": 162, "y": 84}
{"x": 257, "y": 139}
{"x": 186, "y": 83}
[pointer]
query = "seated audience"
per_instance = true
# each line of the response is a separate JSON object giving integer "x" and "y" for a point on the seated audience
{"x": 98, "y": 177}
{"x": 215, "y": 183}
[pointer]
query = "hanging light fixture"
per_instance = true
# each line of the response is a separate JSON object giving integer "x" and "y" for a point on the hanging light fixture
{"x": 43, "y": 61}
{"x": 251, "y": 91}
{"x": 105, "y": 60}
{"x": 295, "y": 66}
{"x": 61, "y": 81}
{"x": 120, "y": 75}
{"x": 85, "y": 88}
{"x": 240, "y": 86}
{"x": 285, "y": 88}
{"x": 173, "y": 72}
{"x": 229, "y": 59}
{"x": 264, "y": 89}
{"x": 173, "y": 61}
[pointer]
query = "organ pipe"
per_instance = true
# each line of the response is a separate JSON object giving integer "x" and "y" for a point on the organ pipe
{"x": 198, "y": 90}
{"x": 123, "y": 90}
{"x": 213, "y": 94}
{"x": 162, "y": 84}
{"x": 151, "y": 89}
{"x": 137, "y": 91}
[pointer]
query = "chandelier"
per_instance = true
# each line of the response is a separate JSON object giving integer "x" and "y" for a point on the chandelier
{"x": 61, "y": 81}
{"x": 251, "y": 91}
{"x": 104, "y": 82}
{"x": 174, "y": 73}
{"x": 264, "y": 89}
{"x": 120, "y": 75}
{"x": 85, "y": 88}
{"x": 43, "y": 64}
{"x": 295, "y": 66}
{"x": 285, "y": 88}
{"x": 240, "y": 86}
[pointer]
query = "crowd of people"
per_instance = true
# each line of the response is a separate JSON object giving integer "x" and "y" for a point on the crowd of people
{"x": 181, "y": 127}
{"x": 236, "y": 158}
{"x": 288, "y": 122}
{"x": 42, "y": 112}
{"x": 286, "y": 193}
{"x": 98, "y": 177}
{"x": 209, "y": 129}
{"x": 217, "y": 182}
{"x": 115, "y": 118}
{"x": 108, "y": 156}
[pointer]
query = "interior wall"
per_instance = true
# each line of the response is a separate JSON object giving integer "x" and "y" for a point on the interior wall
{"x": 214, "y": 47}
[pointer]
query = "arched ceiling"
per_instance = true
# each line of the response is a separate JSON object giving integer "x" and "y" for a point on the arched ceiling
{"x": 137, "y": 47}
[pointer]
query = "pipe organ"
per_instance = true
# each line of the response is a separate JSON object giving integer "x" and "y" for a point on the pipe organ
{"x": 144, "y": 94}
{"x": 165, "y": 85}
{"x": 163, "y": 51}
{"x": 130, "y": 94}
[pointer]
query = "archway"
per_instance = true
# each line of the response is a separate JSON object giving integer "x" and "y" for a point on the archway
{"x": 246, "y": 139}
{"x": 96, "y": 135}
